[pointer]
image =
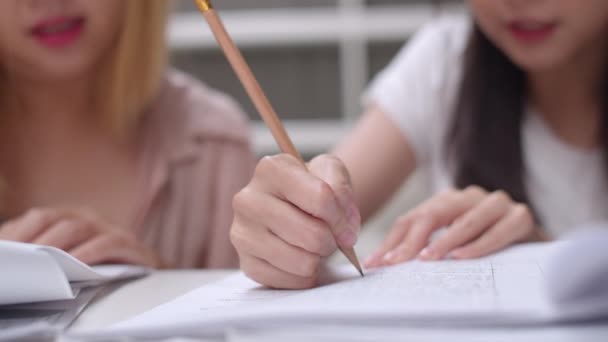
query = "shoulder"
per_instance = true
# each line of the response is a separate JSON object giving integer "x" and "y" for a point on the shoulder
{"x": 202, "y": 111}
{"x": 418, "y": 88}
{"x": 188, "y": 120}
{"x": 430, "y": 60}
{"x": 449, "y": 33}
{"x": 435, "y": 51}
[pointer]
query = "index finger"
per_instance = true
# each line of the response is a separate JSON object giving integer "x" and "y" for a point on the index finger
{"x": 436, "y": 212}
{"x": 29, "y": 226}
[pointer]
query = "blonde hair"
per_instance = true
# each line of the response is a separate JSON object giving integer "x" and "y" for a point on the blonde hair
{"x": 133, "y": 73}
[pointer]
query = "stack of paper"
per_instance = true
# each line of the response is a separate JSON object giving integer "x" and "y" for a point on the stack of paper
{"x": 33, "y": 273}
{"x": 43, "y": 289}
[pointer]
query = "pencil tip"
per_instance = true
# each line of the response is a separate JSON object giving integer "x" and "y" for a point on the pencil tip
{"x": 352, "y": 257}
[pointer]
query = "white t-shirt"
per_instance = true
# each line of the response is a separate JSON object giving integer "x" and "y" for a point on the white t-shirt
{"x": 418, "y": 91}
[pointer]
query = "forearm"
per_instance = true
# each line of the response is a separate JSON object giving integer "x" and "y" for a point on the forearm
{"x": 378, "y": 158}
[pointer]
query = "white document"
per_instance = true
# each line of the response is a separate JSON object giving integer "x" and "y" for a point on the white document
{"x": 507, "y": 288}
{"x": 31, "y": 273}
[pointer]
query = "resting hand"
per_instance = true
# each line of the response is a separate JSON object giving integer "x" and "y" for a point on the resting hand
{"x": 80, "y": 233}
{"x": 479, "y": 223}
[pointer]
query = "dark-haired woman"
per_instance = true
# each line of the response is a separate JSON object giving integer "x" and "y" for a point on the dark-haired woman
{"x": 509, "y": 112}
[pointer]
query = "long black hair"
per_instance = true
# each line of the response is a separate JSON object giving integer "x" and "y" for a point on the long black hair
{"x": 484, "y": 142}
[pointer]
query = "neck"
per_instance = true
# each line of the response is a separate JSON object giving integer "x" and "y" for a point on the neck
{"x": 570, "y": 98}
{"x": 49, "y": 105}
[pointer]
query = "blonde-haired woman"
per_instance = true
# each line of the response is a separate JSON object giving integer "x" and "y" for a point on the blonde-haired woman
{"x": 106, "y": 153}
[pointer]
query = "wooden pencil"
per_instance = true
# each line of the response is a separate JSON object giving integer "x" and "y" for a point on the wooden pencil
{"x": 257, "y": 95}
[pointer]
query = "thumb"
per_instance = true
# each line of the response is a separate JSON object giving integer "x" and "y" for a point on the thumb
{"x": 332, "y": 171}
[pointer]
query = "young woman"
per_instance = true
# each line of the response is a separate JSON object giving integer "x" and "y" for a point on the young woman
{"x": 507, "y": 109}
{"x": 106, "y": 153}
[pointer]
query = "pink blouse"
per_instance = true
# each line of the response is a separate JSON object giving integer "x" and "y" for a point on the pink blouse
{"x": 195, "y": 157}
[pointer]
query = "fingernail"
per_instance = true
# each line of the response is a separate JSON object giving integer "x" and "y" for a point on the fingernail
{"x": 373, "y": 259}
{"x": 347, "y": 238}
{"x": 426, "y": 254}
{"x": 390, "y": 256}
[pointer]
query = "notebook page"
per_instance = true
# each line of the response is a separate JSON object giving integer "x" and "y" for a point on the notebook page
{"x": 498, "y": 289}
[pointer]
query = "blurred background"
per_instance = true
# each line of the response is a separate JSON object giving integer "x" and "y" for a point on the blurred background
{"x": 314, "y": 58}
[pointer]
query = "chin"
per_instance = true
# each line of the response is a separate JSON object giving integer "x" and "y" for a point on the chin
{"x": 537, "y": 62}
{"x": 60, "y": 71}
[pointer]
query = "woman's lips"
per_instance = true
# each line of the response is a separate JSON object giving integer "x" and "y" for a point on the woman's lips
{"x": 58, "y": 32}
{"x": 530, "y": 31}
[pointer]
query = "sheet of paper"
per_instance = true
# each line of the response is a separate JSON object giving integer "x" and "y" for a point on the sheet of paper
{"x": 505, "y": 288}
{"x": 23, "y": 267}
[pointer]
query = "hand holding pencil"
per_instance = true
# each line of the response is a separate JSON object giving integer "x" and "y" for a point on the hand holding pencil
{"x": 291, "y": 215}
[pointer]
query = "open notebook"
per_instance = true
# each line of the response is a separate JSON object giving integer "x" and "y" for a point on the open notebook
{"x": 32, "y": 273}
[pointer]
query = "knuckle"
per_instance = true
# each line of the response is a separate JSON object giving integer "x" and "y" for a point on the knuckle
{"x": 266, "y": 164}
{"x": 317, "y": 239}
{"x": 327, "y": 159}
{"x": 37, "y": 214}
{"x": 475, "y": 190}
{"x": 427, "y": 215}
{"x": 271, "y": 164}
{"x": 239, "y": 241}
{"x": 447, "y": 194}
{"x": 241, "y": 200}
{"x": 501, "y": 196}
{"x": 522, "y": 211}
